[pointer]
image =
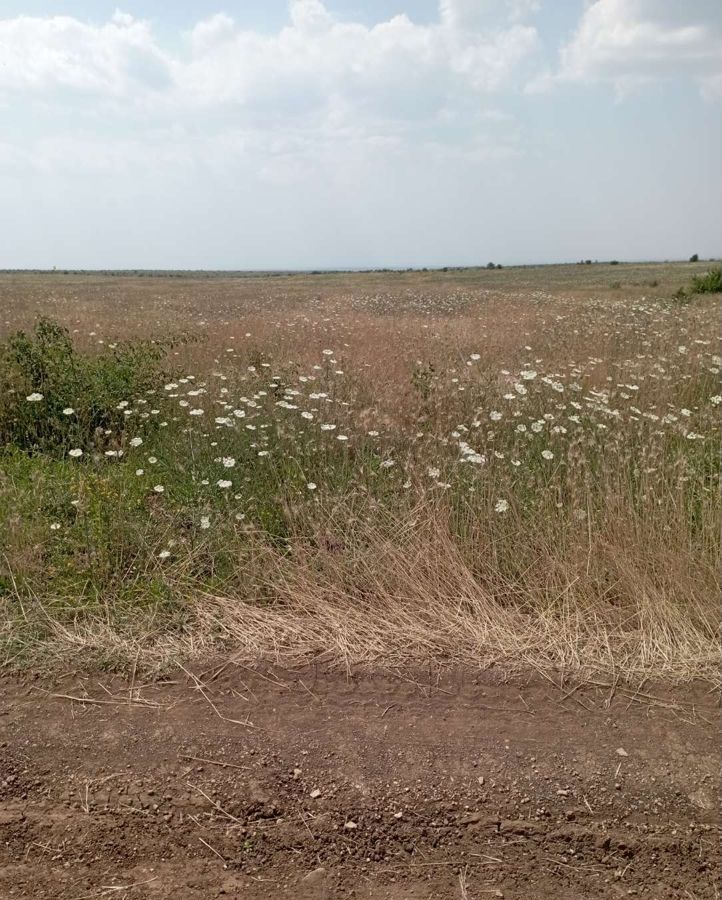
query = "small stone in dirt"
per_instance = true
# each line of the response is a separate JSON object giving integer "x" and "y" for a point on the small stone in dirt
{"x": 350, "y": 825}
{"x": 397, "y": 815}
{"x": 296, "y": 773}
{"x": 480, "y": 779}
{"x": 315, "y": 793}
{"x": 621, "y": 751}
{"x": 315, "y": 877}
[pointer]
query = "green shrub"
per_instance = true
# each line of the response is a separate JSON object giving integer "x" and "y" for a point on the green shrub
{"x": 709, "y": 283}
{"x": 53, "y": 398}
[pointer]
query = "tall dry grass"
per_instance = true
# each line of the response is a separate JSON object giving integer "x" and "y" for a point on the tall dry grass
{"x": 436, "y": 530}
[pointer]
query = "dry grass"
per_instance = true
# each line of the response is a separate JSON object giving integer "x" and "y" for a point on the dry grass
{"x": 607, "y": 559}
{"x": 397, "y": 602}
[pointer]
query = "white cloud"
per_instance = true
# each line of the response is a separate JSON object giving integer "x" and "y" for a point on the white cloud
{"x": 309, "y": 15}
{"x": 319, "y": 62}
{"x": 117, "y": 58}
{"x": 276, "y": 102}
{"x": 314, "y": 61}
{"x": 210, "y": 32}
{"x": 628, "y": 43}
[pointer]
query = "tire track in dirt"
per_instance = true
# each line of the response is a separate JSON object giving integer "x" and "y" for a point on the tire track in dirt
{"x": 308, "y": 784}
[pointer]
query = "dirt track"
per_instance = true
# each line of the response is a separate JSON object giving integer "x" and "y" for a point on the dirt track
{"x": 462, "y": 787}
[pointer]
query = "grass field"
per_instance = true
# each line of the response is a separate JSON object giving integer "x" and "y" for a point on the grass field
{"x": 517, "y": 466}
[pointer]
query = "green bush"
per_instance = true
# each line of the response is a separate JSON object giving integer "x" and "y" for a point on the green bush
{"x": 53, "y": 398}
{"x": 709, "y": 283}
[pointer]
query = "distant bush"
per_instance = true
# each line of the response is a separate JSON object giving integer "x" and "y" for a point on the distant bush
{"x": 709, "y": 283}
{"x": 491, "y": 265}
{"x": 613, "y": 262}
{"x": 694, "y": 257}
{"x": 54, "y": 398}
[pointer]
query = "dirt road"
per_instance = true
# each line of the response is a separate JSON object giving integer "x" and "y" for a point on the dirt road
{"x": 307, "y": 784}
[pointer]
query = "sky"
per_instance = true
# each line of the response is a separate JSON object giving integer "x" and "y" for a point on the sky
{"x": 297, "y": 134}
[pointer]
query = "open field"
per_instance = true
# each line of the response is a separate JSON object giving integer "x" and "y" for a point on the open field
{"x": 409, "y": 584}
{"x": 516, "y": 466}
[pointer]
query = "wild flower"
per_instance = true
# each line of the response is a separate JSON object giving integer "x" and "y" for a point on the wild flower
{"x": 35, "y": 397}
{"x": 75, "y": 452}
{"x": 158, "y": 488}
{"x": 501, "y": 506}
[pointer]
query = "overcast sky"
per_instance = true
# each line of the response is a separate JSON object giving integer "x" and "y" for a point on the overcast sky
{"x": 354, "y": 133}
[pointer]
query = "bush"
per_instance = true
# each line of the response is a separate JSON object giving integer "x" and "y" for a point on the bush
{"x": 53, "y": 398}
{"x": 694, "y": 257}
{"x": 709, "y": 283}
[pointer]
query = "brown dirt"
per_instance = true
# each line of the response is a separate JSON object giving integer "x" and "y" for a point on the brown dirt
{"x": 462, "y": 786}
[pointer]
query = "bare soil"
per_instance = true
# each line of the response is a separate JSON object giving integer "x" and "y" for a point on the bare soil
{"x": 310, "y": 784}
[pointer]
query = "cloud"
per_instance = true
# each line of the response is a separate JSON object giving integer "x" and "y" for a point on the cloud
{"x": 396, "y": 67}
{"x": 314, "y": 59}
{"x": 276, "y": 101}
{"x": 117, "y": 58}
{"x": 630, "y": 43}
